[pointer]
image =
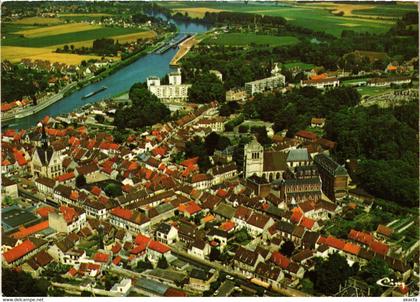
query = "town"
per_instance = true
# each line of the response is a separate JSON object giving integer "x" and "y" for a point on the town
{"x": 231, "y": 175}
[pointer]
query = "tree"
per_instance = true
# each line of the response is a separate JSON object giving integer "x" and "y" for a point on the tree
{"x": 80, "y": 181}
{"x": 376, "y": 269}
{"x": 145, "y": 110}
{"x": 287, "y": 248}
{"x": 214, "y": 254}
{"x": 330, "y": 273}
{"x": 163, "y": 263}
{"x": 307, "y": 286}
{"x": 21, "y": 284}
{"x": 206, "y": 88}
{"x": 99, "y": 118}
{"x": 113, "y": 190}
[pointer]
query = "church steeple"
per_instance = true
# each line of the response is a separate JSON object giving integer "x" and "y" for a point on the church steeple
{"x": 44, "y": 138}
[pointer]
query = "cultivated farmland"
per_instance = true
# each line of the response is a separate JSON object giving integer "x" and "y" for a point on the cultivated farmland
{"x": 38, "y": 20}
{"x": 69, "y": 38}
{"x": 56, "y": 30}
{"x": 248, "y": 38}
{"x": 318, "y": 17}
{"x": 197, "y": 12}
{"x": 15, "y": 54}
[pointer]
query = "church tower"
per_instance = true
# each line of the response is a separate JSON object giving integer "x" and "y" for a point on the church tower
{"x": 253, "y": 159}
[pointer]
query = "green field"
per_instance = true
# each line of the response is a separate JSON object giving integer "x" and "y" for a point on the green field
{"x": 317, "y": 19}
{"x": 391, "y": 10}
{"x": 302, "y": 66}
{"x": 248, "y": 39}
{"x": 67, "y": 38}
{"x": 371, "y": 91}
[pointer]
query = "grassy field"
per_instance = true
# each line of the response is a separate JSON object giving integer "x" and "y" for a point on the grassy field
{"x": 248, "y": 38}
{"x": 87, "y": 15}
{"x": 371, "y": 91}
{"x": 197, "y": 12}
{"x": 16, "y": 54}
{"x": 38, "y": 20}
{"x": 68, "y": 38}
{"x": 301, "y": 65}
{"x": 316, "y": 16}
{"x": 56, "y": 30}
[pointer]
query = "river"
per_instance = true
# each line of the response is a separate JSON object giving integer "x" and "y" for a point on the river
{"x": 117, "y": 83}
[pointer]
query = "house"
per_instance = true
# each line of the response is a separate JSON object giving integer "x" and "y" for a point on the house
{"x": 130, "y": 220}
{"x": 258, "y": 223}
{"x": 246, "y": 261}
{"x": 201, "y": 280}
{"x": 241, "y": 216}
{"x": 156, "y": 250}
{"x": 189, "y": 209}
{"x": 166, "y": 233}
{"x": 8, "y": 188}
{"x": 220, "y": 236}
{"x": 187, "y": 232}
{"x": 67, "y": 219}
{"x": 201, "y": 181}
{"x": 224, "y": 211}
{"x": 123, "y": 287}
{"x": 318, "y": 122}
{"x": 306, "y": 136}
{"x": 222, "y": 173}
{"x": 269, "y": 274}
{"x": 326, "y": 83}
{"x": 23, "y": 251}
{"x": 199, "y": 248}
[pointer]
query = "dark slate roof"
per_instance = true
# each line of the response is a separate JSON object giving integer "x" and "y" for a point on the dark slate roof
{"x": 199, "y": 274}
{"x": 45, "y": 155}
{"x": 275, "y": 161}
{"x": 246, "y": 256}
{"x": 285, "y": 227}
{"x": 268, "y": 271}
{"x": 163, "y": 228}
{"x": 330, "y": 165}
{"x": 225, "y": 210}
{"x": 310, "y": 238}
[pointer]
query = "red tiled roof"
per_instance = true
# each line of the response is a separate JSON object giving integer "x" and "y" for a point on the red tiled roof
{"x": 96, "y": 190}
{"x": 351, "y": 248}
{"x": 44, "y": 211}
{"x": 74, "y": 195}
{"x": 65, "y": 177}
{"x": 20, "y": 158}
{"x": 19, "y": 251}
{"x": 159, "y": 151}
{"x": 189, "y": 162}
{"x": 335, "y": 243}
{"x": 222, "y": 193}
{"x": 116, "y": 248}
{"x": 307, "y": 222}
{"x": 139, "y": 249}
{"x": 141, "y": 239}
{"x": 379, "y": 247}
{"x": 208, "y": 218}
{"x": 109, "y": 146}
{"x": 322, "y": 240}
{"x": 173, "y": 292}
{"x": 72, "y": 272}
{"x": 69, "y": 213}
{"x": 158, "y": 247}
{"x": 297, "y": 215}
{"x": 56, "y": 132}
{"x": 306, "y": 134}
{"x": 117, "y": 260}
{"x": 101, "y": 257}
{"x": 280, "y": 260}
{"x": 200, "y": 177}
{"x": 191, "y": 207}
{"x": 227, "y": 226}
{"x": 122, "y": 213}
{"x": 362, "y": 237}
{"x": 25, "y": 232}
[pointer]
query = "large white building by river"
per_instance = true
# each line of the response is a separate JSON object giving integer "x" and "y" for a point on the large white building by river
{"x": 175, "y": 91}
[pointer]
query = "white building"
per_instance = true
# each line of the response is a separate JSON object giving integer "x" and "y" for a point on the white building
{"x": 123, "y": 287}
{"x": 175, "y": 91}
{"x": 262, "y": 85}
{"x": 321, "y": 83}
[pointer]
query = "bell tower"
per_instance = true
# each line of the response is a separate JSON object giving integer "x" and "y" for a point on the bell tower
{"x": 253, "y": 159}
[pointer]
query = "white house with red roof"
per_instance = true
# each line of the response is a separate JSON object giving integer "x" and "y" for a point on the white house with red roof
{"x": 156, "y": 249}
{"x": 67, "y": 220}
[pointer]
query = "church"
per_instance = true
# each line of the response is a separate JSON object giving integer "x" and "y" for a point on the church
{"x": 270, "y": 164}
{"x": 45, "y": 161}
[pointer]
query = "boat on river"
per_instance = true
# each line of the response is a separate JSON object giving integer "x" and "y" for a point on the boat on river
{"x": 94, "y": 92}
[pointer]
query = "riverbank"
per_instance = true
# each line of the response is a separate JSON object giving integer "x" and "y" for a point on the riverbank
{"x": 69, "y": 89}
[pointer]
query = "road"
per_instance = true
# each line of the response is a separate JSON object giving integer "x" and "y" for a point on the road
{"x": 240, "y": 279}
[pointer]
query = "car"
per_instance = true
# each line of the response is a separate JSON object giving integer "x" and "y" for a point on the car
{"x": 216, "y": 293}
{"x": 229, "y": 277}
